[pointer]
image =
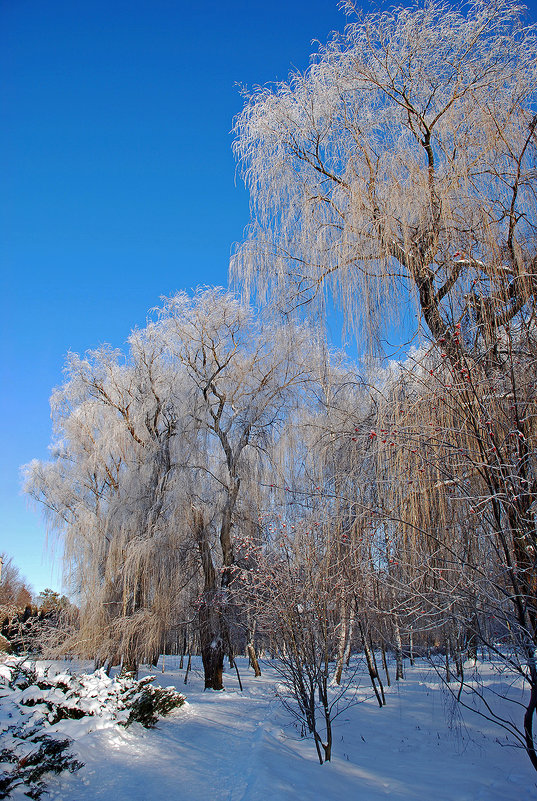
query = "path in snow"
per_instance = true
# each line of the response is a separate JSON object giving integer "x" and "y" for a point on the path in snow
{"x": 234, "y": 746}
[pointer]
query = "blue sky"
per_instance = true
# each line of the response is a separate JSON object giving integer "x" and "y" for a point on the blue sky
{"x": 118, "y": 185}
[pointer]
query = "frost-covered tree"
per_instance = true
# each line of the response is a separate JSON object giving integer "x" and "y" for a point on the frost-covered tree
{"x": 400, "y": 168}
{"x": 457, "y": 475}
{"x": 15, "y": 592}
{"x": 244, "y": 376}
{"x": 152, "y": 451}
{"x": 400, "y": 165}
{"x": 107, "y": 489}
{"x": 398, "y": 173}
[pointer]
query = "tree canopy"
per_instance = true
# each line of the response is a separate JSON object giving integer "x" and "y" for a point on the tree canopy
{"x": 400, "y": 165}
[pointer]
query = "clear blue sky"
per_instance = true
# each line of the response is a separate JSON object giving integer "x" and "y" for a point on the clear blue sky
{"x": 118, "y": 184}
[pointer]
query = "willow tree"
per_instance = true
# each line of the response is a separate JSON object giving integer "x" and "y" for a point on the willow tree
{"x": 153, "y": 450}
{"x": 244, "y": 376}
{"x": 398, "y": 173}
{"x": 111, "y": 491}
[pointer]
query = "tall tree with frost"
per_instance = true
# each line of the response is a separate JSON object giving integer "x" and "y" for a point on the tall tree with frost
{"x": 244, "y": 376}
{"x": 151, "y": 451}
{"x": 400, "y": 169}
{"x": 112, "y": 491}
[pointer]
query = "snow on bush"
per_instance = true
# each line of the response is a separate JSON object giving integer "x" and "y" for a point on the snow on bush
{"x": 38, "y": 710}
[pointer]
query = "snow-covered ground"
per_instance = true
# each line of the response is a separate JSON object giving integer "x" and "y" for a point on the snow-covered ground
{"x": 234, "y": 746}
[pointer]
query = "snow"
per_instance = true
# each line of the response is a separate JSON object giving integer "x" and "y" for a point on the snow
{"x": 233, "y": 746}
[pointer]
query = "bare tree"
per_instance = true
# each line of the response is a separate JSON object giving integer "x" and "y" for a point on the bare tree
{"x": 292, "y": 584}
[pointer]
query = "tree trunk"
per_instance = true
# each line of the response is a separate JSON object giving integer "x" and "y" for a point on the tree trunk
{"x": 212, "y": 639}
{"x": 341, "y": 645}
{"x": 210, "y": 617}
{"x": 448, "y": 672}
{"x": 385, "y": 664}
{"x": 373, "y": 674}
{"x": 250, "y": 646}
{"x": 253, "y": 659}
{"x": 399, "y": 671}
{"x": 530, "y": 712}
{"x": 188, "y": 664}
{"x": 471, "y": 638}
{"x": 377, "y": 674}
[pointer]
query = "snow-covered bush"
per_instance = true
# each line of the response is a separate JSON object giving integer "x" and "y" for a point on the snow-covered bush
{"x": 28, "y": 754}
{"x": 38, "y": 710}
